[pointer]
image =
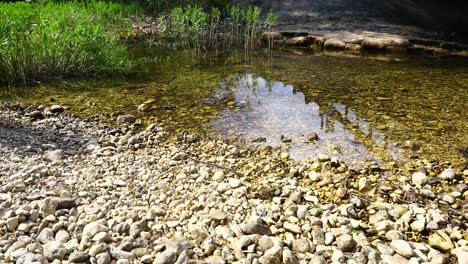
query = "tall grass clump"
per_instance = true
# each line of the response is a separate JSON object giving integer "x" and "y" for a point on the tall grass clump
{"x": 193, "y": 28}
{"x": 39, "y": 42}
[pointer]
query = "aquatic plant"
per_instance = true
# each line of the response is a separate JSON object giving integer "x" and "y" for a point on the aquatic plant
{"x": 193, "y": 28}
{"x": 40, "y": 42}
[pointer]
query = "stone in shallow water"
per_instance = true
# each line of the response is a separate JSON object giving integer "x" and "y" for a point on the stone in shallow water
{"x": 447, "y": 174}
{"x": 126, "y": 119}
{"x": 419, "y": 178}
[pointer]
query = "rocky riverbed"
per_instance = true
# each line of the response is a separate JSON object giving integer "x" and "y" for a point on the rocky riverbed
{"x": 111, "y": 191}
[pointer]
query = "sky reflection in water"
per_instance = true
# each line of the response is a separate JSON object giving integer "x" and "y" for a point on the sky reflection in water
{"x": 273, "y": 109}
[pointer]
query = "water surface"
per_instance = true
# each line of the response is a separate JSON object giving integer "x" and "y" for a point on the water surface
{"x": 361, "y": 109}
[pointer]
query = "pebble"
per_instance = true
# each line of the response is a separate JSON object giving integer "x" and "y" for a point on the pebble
{"x": 402, "y": 247}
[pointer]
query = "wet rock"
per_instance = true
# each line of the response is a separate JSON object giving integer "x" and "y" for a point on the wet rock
{"x": 448, "y": 174}
{"x": 419, "y": 178}
{"x": 129, "y": 119}
{"x": 56, "y": 109}
{"x": 271, "y": 35}
{"x": 334, "y": 44}
{"x": 301, "y": 41}
{"x": 36, "y": 115}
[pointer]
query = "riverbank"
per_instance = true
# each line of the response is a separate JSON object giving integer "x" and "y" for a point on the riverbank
{"x": 88, "y": 190}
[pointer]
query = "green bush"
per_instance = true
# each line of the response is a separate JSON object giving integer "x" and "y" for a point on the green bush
{"x": 40, "y": 42}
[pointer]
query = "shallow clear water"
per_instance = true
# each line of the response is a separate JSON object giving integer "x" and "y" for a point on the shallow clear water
{"x": 362, "y": 109}
{"x": 274, "y": 113}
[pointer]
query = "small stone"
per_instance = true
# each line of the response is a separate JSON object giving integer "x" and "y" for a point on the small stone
{"x": 120, "y": 254}
{"x": 419, "y": 178}
{"x": 265, "y": 243}
{"x": 323, "y": 157}
{"x": 449, "y": 199}
{"x": 255, "y": 228}
{"x": 56, "y": 109}
{"x": 178, "y": 244}
{"x": 130, "y": 119}
{"x": 289, "y": 258}
{"x": 234, "y": 183}
{"x": 165, "y": 257}
{"x": 448, "y": 174}
{"x": 345, "y": 243}
{"x": 419, "y": 225}
{"x": 461, "y": 253}
{"x": 441, "y": 241}
{"x": 54, "y": 250}
{"x": 402, "y": 247}
{"x": 292, "y": 228}
{"x": 31, "y": 258}
{"x": 317, "y": 259}
{"x": 147, "y": 259}
{"x": 103, "y": 258}
{"x": 217, "y": 215}
{"x": 62, "y": 236}
{"x": 12, "y": 223}
{"x": 93, "y": 228}
{"x": 54, "y": 155}
{"x": 78, "y": 257}
{"x": 301, "y": 245}
{"x": 313, "y": 137}
{"x": 364, "y": 184}
{"x": 395, "y": 235}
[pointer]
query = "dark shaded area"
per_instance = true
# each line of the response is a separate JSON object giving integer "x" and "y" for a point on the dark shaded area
{"x": 447, "y": 17}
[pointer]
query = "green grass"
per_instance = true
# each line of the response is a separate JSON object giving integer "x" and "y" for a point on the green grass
{"x": 39, "y": 42}
{"x": 193, "y": 28}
